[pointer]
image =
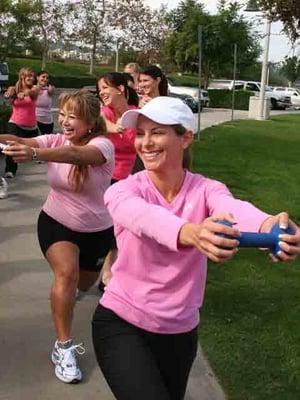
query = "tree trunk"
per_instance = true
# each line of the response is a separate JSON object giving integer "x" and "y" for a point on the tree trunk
{"x": 44, "y": 58}
{"x": 93, "y": 53}
{"x": 45, "y": 39}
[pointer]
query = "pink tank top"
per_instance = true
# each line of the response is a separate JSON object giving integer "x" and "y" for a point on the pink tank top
{"x": 125, "y": 153}
{"x": 24, "y": 112}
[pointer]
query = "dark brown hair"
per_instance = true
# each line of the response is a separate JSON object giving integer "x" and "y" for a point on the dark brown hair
{"x": 116, "y": 79}
{"x": 187, "y": 157}
{"x": 155, "y": 72}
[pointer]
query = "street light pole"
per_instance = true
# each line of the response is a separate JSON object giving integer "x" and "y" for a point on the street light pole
{"x": 264, "y": 71}
{"x": 234, "y": 78}
{"x": 254, "y": 6}
{"x": 199, "y": 79}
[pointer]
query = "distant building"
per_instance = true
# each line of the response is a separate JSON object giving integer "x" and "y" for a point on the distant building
{"x": 75, "y": 54}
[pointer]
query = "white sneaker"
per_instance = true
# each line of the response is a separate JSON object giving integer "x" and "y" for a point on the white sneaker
{"x": 3, "y": 188}
{"x": 9, "y": 175}
{"x": 66, "y": 364}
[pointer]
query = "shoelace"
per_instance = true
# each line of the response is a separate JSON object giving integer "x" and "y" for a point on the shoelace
{"x": 76, "y": 348}
{"x": 79, "y": 348}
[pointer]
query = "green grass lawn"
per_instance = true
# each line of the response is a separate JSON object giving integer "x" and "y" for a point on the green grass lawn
{"x": 250, "y": 321}
{"x": 55, "y": 68}
{"x": 77, "y": 69}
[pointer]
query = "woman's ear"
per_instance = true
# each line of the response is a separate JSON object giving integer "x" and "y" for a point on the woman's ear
{"x": 158, "y": 80}
{"x": 187, "y": 138}
{"x": 121, "y": 88}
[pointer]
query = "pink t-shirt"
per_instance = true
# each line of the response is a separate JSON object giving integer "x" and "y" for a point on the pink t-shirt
{"x": 157, "y": 285}
{"x": 23, "y": 113}
{"x": 125, "y": 153}
{"x": 82, "y": 211}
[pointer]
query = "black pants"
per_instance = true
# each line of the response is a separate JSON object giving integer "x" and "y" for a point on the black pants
{"x": 93, "y": 246}
{"x": 13, "y": 129}
{"x": 142, "y": 365}
{"x": 45, "y": 129}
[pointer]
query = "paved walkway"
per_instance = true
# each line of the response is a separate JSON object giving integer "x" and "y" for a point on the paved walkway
{"x": 26, "y": 331}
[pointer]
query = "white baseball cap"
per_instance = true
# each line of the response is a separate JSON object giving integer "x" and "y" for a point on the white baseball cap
{"x": 163, "y": 110}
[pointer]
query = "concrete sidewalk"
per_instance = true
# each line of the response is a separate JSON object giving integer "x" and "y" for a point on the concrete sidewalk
{"x": 26, "y": 330}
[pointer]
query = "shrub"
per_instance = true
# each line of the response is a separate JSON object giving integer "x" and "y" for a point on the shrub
{"x": 183, "y": 80}
{"x": 223, "y": 99}
{"x": 73, "y": 81}
{"x": 5, "y": 112}
{"x": 64, "y": 81}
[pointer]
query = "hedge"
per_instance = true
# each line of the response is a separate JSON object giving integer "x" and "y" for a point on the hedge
{"x": 223, "y": 99}
{"x": 64, "y": 81}
{"x": 183, "y": 80}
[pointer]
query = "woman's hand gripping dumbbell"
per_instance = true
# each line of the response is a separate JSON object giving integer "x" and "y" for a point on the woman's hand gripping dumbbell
{"x": 220, "y": 242}
{"x": 278, "y": 234}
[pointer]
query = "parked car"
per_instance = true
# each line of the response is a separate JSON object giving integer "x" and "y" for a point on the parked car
{"x": 188, "y": 100}
{"x": 91, "y": 88}
{"x": 292, "y": 92}
{"x": 190, "y": 91}
{"x": 225, "y": 84}
{"x": 278, "y": 100}
{"x": 4, "y": 75}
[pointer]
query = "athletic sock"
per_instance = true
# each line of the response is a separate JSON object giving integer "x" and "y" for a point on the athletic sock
{"x": 66, "y": 344}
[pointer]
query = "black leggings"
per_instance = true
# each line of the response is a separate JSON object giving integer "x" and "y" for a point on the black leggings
{"x": 13, "y": 129}
{"x": 142, "y": 365}
{"x": 45, "y": 129}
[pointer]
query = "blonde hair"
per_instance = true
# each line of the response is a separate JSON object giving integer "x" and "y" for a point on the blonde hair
{"x": 135, "y": 66}
{"x": 20, "y": 85}
{"x": 86, "y": 107}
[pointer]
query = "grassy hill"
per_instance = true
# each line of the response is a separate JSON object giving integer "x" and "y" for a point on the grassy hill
{"x": 66, "y": 73}
{"x": 63, "y": 74}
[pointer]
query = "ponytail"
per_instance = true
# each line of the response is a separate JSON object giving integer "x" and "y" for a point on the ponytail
{"x": 79, "y": 173}
{"x": 132, "y": 97}
{"x": 163, "y": 86}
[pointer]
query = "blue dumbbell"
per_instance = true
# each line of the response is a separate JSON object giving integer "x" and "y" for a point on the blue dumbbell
{"x": 265, "y": 240}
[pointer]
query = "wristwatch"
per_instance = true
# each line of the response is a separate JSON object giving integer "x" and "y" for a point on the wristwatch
{"x": 34, "y": 154}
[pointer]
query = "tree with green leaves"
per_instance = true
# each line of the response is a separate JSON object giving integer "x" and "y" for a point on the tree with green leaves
{"x": 141, "y": 28}
{"x": 219, "y": 33}
{"x": 5, "y": 17}
{"x": 47, "y": 25}
{"x": 287, "y": 11}
{"x": 290, "y": 68}
{"x": 15, "y": 23}
{"x": 36, "y": 23}
{"x": 89, "y": 26}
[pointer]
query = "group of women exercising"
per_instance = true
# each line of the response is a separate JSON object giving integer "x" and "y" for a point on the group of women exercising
{"x": 150, "y": 232}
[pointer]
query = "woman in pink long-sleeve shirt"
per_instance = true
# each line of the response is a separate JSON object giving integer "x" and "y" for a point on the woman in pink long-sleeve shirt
{"x": 165, "y": 218}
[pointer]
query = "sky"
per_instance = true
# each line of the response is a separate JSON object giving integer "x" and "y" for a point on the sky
{"x": 279, "y": 43}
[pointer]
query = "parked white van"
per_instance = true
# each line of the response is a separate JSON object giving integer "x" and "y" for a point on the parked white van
{"x": 278, "y": 99}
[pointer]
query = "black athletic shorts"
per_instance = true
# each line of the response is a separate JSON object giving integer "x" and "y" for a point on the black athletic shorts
{"x": 93, "y": 246}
